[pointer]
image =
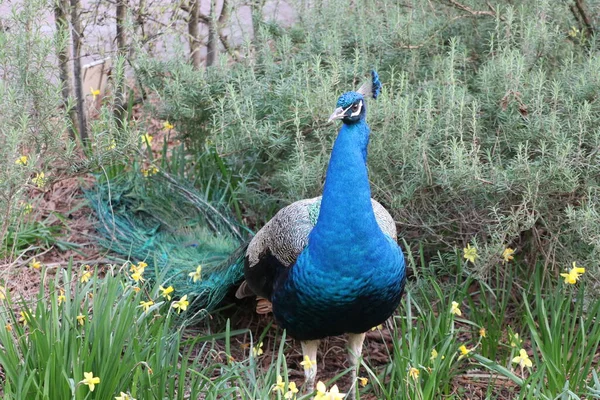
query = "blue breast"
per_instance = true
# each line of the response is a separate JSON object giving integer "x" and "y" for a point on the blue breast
{"x": 313, "y": 302}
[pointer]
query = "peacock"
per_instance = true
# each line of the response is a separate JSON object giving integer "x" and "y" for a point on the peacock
{"x": 331, "y": 265}
{"x": 325, "y": 266}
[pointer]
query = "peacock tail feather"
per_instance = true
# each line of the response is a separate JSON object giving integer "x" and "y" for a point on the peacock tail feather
{"x": 174, "y": 229}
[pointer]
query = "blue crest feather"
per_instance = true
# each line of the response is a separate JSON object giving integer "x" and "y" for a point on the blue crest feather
{"x": 371, "y": 88}
{"x": 376, "y": 89}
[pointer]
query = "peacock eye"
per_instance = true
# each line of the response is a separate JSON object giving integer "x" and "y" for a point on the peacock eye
{"x": 355, "y": 107}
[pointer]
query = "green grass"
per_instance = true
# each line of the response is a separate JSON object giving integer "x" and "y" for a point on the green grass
{"x": 153, "y": 354}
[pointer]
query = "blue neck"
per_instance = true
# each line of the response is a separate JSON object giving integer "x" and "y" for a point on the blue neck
{"x": 346, "y": 223}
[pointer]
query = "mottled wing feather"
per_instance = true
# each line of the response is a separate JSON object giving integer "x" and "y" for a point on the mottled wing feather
{"x": 279, "y": 243}
{"x": 286, "y": 234}
{"x": 384, "y": 220}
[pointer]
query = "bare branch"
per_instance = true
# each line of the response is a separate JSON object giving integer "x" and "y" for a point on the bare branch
{"x": 77, "y": 36}
{"x": 194, "y": 33}
{"x": 120, "y": 95}
{"x": 584, "y": 17}
{"x": 61, "y": 8}
{"x": 211, "y": 45}
{"x": 474, "y": 13}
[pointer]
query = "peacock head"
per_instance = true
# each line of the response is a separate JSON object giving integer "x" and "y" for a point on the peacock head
{"x": 351, "y": 106}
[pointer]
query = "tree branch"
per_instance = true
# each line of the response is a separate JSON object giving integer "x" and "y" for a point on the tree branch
{"x": 61, "y": 8}
{"x": 584, "y": 17}
{"x": 120, "y": 96}
{"x": 474, "y": 13}
{"x": 194, "y": 33}
{"x": 77, "y": 32}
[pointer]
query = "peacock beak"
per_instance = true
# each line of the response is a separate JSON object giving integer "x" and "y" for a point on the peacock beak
{"x": 337, "y": 114}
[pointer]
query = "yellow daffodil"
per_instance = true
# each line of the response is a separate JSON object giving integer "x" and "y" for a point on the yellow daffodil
{"x": 167, "y": 125}
{"x": 23, "y": 318}
{"x": 61, "y": 297}
{"x": 27, "y": 208}
{"x": 292, "y": 390}
{"x": 482, "y": 332}
{"x": 138, "y": 277}
{"x": 463, "y": 352}
{"x": 280, "y": 385}
{"x": 573, "y": 275}
{"x": 196, "y": 275}
{"x": 470, "y": 253}
{"x": 323, "y": 394}
{"x": 455, "y": 309}
{"x": 87, "y": 275}
{"x": 39, "y": 180}
{"x": 35, "y": 264}
{"x": 8, "y": 327}
{"x": 414, "y": 373}
{"x": 573, "y": 32}
{"x": 507, "y": 254}
{"x": 166, "y": 293}
{"x": 112, "y": 146}
{"x": 2, "y": 293}
{"x": 94, "y": 92}
{"x": 81, "y": 319}
{"x": 124, "y": 396}
{"x": 146, "y": 305}
{"x": 377, "y": 328}
{"x": 363, "y": 381}
{"x": 181, "y": 304}
{"x": 523, "y": 359}
{"x": 151, "y": 170}
{"x": 22, "y": 160}
{"x": 146, "y": 139}
{"x": 90, "y": 380}
{"x": 334, "y": 393}
{"x": 515, "y": 340}
{"x": 138, "y": 266}
{"x": 257, "y": 350}
{"x": 321, "y": 391}
{"x": 138, "y": 271}
{"x": 307, "y": 363}
{"x": 434, "y": 354}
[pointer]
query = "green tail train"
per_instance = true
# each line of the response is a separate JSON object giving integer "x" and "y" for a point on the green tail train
{"x": 173, "y": 229}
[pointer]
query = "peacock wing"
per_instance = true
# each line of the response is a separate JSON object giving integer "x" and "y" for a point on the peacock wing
{"x": 384, "y": 220}
{"x": 277, "y": 246}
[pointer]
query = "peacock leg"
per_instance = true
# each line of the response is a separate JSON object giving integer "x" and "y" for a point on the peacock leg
{"x": 355, "y": 344}
{"x": 309, "y": 348}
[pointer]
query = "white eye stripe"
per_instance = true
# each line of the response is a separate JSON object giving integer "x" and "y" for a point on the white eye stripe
{"x": 357, "y": 112}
